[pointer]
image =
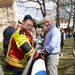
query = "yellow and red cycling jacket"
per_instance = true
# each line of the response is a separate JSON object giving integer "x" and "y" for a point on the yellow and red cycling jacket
{"x": 16, "y": 56}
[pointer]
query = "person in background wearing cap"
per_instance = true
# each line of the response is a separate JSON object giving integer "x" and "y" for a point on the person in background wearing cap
{"x": 44, "y": 30}
{"x": 20, "y": 47}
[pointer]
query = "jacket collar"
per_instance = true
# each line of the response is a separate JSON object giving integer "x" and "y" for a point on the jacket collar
{"x": 28, "y": 35}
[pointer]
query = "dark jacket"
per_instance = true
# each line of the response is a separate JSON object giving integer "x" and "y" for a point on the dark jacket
{"x": 7, "y": 33}
{"x": 74, "y": 36}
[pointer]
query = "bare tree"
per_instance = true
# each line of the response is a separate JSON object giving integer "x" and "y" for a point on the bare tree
{"x": 41, "y": 4}
{"x": 63, "y": 5}
{"x": 43, "y": 7}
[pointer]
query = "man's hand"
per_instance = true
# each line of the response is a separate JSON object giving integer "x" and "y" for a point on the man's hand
{"x": 42, "y": 56}
{"x": 43, "y": 52}
{"x": 36, "y": 55}
{"x": 39, "y": 54}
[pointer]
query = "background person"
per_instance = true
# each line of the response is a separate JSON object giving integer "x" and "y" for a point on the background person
{"x": 74, "y": 36}
{"x": 74, "y": 43}
{"x": 52, "y": 46}
{"x": 7, "y": 33}
{"x": 63, "y": 36}
{"x": 44, "y": 30}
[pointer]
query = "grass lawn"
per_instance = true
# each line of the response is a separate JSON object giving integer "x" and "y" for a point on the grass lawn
{"x": 6, "y": 72}
{"x": 66, "y": 62}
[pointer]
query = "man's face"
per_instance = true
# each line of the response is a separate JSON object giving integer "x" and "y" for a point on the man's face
{"x": 47, "y": 22}
{"x": 28, "y": 25}
{"x": 14, "y": 24}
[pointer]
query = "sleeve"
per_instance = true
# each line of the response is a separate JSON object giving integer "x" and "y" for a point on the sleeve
{"x": 54, "y": 41}
{"x": 22, "y": 42}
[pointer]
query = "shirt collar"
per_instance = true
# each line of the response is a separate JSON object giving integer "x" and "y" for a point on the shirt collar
{"x": 53, "y": 26}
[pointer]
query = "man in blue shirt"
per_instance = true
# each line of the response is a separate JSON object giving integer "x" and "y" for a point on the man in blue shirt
{"x": 52, "y": 46}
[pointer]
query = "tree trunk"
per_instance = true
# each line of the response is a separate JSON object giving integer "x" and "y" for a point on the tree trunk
{"x": 69, "y": 20}
{"x": 44, "y": 9}
{"x": 58, "y": 14}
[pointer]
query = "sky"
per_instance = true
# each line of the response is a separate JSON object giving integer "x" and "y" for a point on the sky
{"x": 33, "y": 12}
{"x": 22, "y": 11}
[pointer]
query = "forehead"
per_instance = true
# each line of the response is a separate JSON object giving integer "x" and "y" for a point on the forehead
{"x": 29, "y": 21}
{"x": 47, "y": 18}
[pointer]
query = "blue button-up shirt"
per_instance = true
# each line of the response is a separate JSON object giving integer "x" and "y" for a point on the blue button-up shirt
{"x": 52, "y": 40}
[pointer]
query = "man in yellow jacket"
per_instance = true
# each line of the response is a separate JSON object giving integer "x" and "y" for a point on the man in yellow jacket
{"x": 20, "y": 47}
